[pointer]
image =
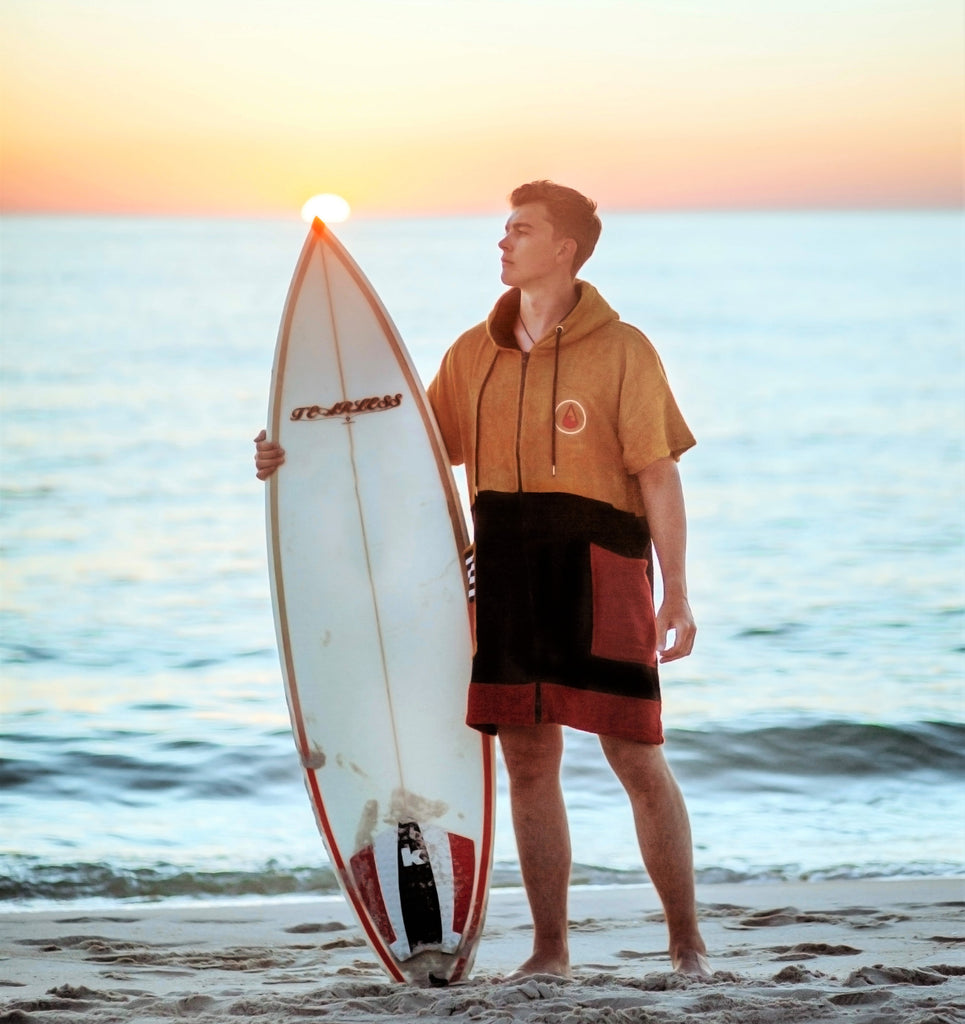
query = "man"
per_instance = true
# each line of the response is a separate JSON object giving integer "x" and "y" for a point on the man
{"x": 569, "y": 433}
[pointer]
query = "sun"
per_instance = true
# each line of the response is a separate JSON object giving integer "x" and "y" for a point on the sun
{"x": 327, "y": 207}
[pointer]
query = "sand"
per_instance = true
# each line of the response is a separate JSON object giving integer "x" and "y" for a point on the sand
{"x": 866, "y": 951}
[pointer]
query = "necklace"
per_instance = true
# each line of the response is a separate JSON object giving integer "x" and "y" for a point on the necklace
{"x": 532, "y": 340}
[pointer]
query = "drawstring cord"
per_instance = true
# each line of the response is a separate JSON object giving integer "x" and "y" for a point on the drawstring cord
{"x": 556, "y": 374}
{"x": 479, "y": 398}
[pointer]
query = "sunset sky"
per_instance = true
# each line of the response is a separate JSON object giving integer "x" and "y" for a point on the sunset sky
{"x": 435, "y": 106}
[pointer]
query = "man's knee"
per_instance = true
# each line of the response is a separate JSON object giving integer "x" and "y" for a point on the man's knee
{"x": 532, "y": 754}
{"x": 639, "y": 766}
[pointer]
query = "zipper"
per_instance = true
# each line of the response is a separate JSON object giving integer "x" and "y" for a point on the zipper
{"x": 556, "y": 377}
{"x": 538, "y": 709}
{"x": 519, "y": 422}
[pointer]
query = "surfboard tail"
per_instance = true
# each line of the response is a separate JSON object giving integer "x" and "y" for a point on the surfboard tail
{"x": 417, "y": 884}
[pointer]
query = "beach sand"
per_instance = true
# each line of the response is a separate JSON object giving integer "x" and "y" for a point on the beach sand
{"x": 855, "y": 951}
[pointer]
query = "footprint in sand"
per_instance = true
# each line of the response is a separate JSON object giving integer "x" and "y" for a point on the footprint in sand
{"x": 778, "y": 918}
{"x": 860, "y": 998}
{"x": 314, "y": 929}
{"x": 346, "y": 943}
{"x": 794, "y": 975}
{"x": 879, "y": 975}
{"x": 811, "y": 950}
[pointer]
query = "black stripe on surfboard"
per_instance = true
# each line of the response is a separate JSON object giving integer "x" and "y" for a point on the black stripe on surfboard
{"x": 421, "y": 913}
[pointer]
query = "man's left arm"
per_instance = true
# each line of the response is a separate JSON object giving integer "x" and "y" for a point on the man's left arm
{"x": 663, "y": 499}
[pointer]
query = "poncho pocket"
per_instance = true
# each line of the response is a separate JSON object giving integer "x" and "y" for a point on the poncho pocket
{"x": 624, "y": 624}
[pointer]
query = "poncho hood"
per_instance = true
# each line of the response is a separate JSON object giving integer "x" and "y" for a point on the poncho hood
{"x": 590, "y": 313}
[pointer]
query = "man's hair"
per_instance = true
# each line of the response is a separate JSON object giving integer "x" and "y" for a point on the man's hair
{"x": 571, "y": 214}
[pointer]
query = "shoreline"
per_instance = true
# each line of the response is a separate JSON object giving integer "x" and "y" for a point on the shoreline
{"x": 214, "y": 901}
{"x": 864, "y": 950}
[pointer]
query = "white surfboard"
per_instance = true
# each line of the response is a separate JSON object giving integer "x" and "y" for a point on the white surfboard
{"x": 366, "y": 545}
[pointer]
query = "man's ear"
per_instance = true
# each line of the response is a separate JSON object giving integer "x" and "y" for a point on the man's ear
{"x": 566, "y": 252}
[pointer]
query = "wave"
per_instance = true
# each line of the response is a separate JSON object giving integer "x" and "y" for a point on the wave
{"x": 25, "y": 654}
{"x": 80, "y": 655}
{"x": 134, "y": 770}
{"x": 26, "y": 880}
{"x": 809, "y": 749}
{"x": 188, "y": 769}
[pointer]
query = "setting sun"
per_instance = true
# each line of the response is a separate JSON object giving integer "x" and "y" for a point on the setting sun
{"x": 328, "y": 208}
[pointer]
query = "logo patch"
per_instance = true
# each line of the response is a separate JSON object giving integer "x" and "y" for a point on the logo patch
{"x": 570, "y": 417}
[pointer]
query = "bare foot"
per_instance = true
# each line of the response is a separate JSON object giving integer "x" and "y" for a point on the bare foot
{"x": 692, "y": 963}
{"x": 556, "y": 967}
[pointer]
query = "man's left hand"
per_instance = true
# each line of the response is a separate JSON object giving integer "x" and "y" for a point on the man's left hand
{"x": 675, "y": 616}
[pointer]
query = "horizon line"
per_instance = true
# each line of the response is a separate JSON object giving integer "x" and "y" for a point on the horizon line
{"x": 400, "y": 214}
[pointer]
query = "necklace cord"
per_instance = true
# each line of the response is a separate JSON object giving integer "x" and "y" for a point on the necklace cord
{"x": 519, "y": 317}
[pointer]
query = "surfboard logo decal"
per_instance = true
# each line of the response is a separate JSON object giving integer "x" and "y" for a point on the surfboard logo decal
{"x": 417, "y": 884}
{"x": 348, "y": 409}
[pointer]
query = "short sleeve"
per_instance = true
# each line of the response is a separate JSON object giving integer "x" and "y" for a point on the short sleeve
{"x": 442, "y": 398}
{"x": 650, "y": 422}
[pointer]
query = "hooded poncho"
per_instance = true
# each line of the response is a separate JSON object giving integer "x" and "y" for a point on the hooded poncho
{"x": 552, "y": 441}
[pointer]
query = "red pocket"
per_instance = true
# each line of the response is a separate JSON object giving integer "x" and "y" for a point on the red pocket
{"x": 624, "y": 625}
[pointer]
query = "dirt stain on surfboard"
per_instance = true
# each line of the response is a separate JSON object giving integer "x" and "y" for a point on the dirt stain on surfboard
{"x": 351, "y": 765}
{"x": 315, "y": 759}
{"x": 403, "y": 806}
{"x": 408, "y": 806}
{"x": 365, "y": 833}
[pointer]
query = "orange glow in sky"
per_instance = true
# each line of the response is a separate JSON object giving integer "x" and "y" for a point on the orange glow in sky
{"x": 434, "y": 106}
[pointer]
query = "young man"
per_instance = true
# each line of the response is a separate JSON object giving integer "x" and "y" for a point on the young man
{"x": 569, "y": 433}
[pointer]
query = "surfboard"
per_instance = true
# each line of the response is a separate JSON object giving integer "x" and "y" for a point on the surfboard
{"x": 367, "y": 547}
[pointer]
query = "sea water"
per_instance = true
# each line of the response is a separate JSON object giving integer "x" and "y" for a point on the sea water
{"x": 817, "y": 731}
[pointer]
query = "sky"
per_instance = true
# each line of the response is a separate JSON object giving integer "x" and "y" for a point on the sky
{"x": 412, "y": 107}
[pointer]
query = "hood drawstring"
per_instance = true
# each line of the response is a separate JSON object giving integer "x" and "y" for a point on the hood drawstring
{"x": 556, "y": 374}
{"x": 479, "y": 398}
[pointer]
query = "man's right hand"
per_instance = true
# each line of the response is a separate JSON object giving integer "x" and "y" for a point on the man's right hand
{"x": 269, "y": 455}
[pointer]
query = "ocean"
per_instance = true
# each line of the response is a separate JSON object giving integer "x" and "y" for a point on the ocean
{"x": 818, "y": 731}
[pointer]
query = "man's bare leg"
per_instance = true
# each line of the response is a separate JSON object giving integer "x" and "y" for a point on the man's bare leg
{"x": 663, "y": 831}
{"x": 533, "y": 755}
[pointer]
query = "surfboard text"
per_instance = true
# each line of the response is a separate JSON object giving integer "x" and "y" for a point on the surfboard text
{"x": 354, "y": 407}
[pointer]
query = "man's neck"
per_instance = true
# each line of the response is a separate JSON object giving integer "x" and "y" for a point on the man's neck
{"x": 541, "y": 309}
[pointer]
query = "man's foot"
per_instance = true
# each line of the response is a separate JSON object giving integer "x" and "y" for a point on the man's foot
{"x": 692, "y": 964}
{"x": 556, "y": 967}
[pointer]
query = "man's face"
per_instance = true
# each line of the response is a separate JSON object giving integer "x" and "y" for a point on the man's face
{"x": 530, "y": 248}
